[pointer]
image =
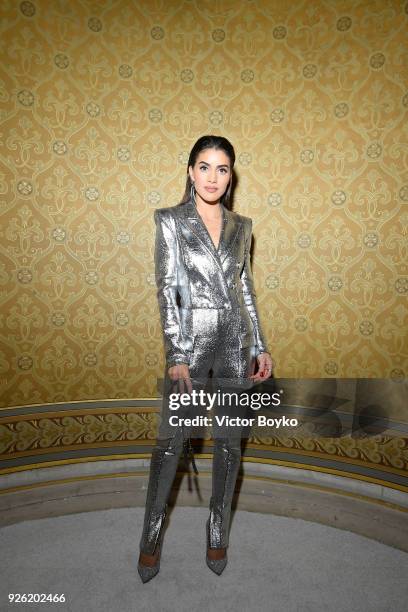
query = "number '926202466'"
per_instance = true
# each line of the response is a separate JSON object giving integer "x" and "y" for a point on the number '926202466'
{"x": 36, "y": 598}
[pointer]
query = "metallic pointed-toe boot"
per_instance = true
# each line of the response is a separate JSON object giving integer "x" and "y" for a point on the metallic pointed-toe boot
{"x": 163, "y": 468}
{"x": 149, "y": 565}
{"x": 226, "y": 463}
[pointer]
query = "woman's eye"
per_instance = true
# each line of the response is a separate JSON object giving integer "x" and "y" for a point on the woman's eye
{"x": 222, "y": 170}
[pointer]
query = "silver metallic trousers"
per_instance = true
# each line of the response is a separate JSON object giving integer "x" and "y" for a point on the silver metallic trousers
{"x": 218, "y": 353}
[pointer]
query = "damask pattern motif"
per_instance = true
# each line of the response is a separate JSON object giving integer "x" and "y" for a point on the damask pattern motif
{"x": 100, "y": 103}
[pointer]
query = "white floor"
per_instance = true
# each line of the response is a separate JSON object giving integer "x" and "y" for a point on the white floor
{"x": 275, "y": 564}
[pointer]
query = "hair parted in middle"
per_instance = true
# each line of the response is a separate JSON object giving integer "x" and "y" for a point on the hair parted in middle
{"x": 210, "y": 142}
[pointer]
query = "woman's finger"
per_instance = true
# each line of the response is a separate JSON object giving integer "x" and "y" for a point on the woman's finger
{"x": 180, "y": 385}
{"x": 189, "y": 384}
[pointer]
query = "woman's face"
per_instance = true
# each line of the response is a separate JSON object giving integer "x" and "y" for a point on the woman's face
{"x": 211, "y": 174}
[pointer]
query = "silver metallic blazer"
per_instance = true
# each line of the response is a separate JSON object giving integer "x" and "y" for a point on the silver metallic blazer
{"x": 195, "y": 280}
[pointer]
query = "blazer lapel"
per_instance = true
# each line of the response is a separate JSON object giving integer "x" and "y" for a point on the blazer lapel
{"x": 229, "y": 233}
{"x": 193, "y": 221}
{"x": 229, "y": 230}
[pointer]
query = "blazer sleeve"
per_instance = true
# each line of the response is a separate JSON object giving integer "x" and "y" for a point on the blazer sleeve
{"x": 249, "y": 293}
{"x": 166, "y": 281}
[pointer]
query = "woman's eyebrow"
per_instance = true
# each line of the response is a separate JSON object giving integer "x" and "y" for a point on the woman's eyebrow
{"x": 219, "y": 165}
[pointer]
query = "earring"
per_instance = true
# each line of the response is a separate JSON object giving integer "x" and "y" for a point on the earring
{"x": 192, "y": 192}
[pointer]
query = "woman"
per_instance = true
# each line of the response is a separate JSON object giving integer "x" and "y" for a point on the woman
{"x": 202, "y": 258}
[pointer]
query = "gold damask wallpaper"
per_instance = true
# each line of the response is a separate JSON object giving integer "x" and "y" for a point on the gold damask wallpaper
{"x": 100, "y": 103}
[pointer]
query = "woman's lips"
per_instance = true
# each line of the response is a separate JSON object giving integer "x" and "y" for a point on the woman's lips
{"x": 211, "y": 189}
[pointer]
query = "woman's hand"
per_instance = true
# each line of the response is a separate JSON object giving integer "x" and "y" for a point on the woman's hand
{"x": 181, "y": 373}
{"x": 265, "y": 366}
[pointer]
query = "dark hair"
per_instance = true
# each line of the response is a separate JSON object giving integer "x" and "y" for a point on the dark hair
{"x": 210, "y": 142}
